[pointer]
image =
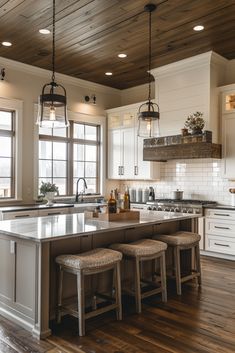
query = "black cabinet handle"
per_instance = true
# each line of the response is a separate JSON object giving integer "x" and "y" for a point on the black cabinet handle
{"x": 227, "y": 246}
{"x": 53, "y": 213}
{"x": 22, "y": 216}
{"x": 222, "y": 214}
{"x": 222, "y": 227}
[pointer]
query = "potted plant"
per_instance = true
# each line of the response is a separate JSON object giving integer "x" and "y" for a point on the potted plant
{"x": 195, "y": 123}
{"x": 48, "y": 190}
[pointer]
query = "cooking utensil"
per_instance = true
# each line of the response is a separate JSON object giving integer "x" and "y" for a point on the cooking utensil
{"x": 178, "y": 195}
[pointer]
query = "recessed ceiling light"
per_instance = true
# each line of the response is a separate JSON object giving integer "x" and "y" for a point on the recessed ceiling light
{"x": 108, "y": 73}
{"x": 44, "y": 31}
{"x": 7, "y": 44}
{"x": 122, "y": 55}
{"x": 198, "y": 28}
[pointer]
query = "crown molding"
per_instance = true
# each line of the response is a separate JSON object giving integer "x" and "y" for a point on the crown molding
{"x": 191, "y": 63}
{"x": 66, "y": 79}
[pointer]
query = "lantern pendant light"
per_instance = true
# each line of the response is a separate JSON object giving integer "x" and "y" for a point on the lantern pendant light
{"x": 148, "y": 114}
{"x": 52, "y": 112}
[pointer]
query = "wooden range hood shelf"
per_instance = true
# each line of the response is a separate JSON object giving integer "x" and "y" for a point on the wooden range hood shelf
{"x": 182, "y": 151}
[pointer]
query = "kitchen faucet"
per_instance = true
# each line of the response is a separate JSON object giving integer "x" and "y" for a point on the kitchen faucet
{"x": 83, "y": 192}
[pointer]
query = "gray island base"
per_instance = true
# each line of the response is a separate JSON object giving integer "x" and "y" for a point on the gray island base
{"x": 28, "y": 248}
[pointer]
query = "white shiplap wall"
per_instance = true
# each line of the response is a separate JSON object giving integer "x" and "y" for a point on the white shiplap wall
{"x": 187, "y": 86}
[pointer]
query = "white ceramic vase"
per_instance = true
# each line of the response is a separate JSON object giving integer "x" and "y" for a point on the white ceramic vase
{"x": 49, "y": 196}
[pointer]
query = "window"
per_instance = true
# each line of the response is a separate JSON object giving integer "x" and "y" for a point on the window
{"x": 7, "y": 154}
{"x": 68, "y": 154}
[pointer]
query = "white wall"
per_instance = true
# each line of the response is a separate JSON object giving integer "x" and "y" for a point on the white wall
{"x": 24, "y": 82}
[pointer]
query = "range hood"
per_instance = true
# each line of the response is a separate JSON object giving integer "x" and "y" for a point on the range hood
{"x": 162, "y": 149}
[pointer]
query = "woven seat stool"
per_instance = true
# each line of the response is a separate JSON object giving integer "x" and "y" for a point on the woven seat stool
{"x": 181, "y": 241}
{"x": 145, "y": 250}
{"x": 89, "y": 263}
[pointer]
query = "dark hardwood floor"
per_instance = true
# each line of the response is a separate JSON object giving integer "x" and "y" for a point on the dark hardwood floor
{"x": 200, "y": 321}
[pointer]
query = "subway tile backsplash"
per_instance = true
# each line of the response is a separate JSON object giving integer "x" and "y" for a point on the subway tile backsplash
{"x": 198, "y": 178}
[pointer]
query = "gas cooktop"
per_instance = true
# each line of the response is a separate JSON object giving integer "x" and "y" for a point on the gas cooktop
{"x": 185, "y": 205}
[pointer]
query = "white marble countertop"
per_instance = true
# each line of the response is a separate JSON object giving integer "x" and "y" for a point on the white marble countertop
{"x": 51, "y": 228}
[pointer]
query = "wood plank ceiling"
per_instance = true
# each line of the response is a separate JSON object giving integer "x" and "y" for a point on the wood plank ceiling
{"x": 90, "y": 34}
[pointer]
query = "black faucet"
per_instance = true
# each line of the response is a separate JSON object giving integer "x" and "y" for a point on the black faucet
{"x": 85, "y": 187}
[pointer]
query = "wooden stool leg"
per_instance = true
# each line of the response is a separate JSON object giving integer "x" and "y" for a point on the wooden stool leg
{"x": 198, "y": 263}
{"x": 81, "y": 303}
{"x": 163, "y": 276}
{"x": 137, "y": 286}
{"x": 118, "y": 293}
{"x": 177, "y": 269}
{"x": 60, "y": 292}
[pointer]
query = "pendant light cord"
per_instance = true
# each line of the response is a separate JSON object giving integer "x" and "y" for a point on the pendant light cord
{"x": 150, "y": 50}
{"x": 53, "y": 44}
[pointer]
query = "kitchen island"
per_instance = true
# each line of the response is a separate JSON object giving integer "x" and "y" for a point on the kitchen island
{"x": 28, "y": 248}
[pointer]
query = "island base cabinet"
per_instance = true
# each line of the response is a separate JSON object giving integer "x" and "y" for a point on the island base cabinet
{"x": 20, "y": 278}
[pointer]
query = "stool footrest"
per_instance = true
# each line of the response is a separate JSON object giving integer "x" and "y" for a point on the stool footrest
{"x": 192, "y": 276}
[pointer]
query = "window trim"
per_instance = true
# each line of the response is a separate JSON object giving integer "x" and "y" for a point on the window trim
{"x": 16, "y": 106}
{"x": 77, "y": 118}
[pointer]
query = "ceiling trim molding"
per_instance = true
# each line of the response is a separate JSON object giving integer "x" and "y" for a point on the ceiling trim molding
{"x": 188, "y": 64}
{"x": 37, "y": 71}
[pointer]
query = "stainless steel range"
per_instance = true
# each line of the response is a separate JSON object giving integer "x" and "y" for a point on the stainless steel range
{"x": 184, "y": 206}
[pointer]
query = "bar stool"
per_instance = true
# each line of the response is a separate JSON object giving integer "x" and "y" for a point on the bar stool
{"x": 89, "y": 263}
{"x": 182, "y": 241}
{"x": 145, "y": 250}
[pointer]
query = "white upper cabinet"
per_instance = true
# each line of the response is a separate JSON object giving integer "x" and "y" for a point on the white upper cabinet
{"x": 228, "y": 131}
{"x": 125, "y": 149}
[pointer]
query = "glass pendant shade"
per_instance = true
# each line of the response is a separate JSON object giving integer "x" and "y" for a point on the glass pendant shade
{"x": 148, "y": 120}
{"x": 52, "y": 112}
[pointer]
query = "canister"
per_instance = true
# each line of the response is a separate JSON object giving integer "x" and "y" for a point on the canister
{"x": 145, "y": 195}
{"x": 132, "y": 195}
{"x": 139, "y": 195}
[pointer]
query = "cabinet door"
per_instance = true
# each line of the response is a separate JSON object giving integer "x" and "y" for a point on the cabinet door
{"x": 229, "y": 145}
{"x": 19, "y": 214}
{"x": 128, "y": 153}
{"x": 53, "y": 211}
{"x": 145, "y": 169}
{"x": 114, "y": 154}
{"x": 142, "y": 170}
{"x": 7, "y": 272}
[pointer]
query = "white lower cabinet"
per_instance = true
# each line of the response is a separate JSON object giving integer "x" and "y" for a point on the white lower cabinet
{"x": 19, "y": 214}
{"x": 220, "y": 231}
{"x": 34, "y": 213}
{"x": 53, "y": 211}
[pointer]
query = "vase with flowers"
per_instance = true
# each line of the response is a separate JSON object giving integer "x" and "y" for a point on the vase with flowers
{"x": 195, "y": 123}
{"x": 49, "y": 190}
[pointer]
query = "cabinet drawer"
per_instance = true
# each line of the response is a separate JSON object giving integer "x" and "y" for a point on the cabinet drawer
{"x": 19, "y": 214}
{"x": 220, "y": 244}
{"x": 220, "y": 227}
{"x": 53, "y": 212}
{"x": 221, "y": 214}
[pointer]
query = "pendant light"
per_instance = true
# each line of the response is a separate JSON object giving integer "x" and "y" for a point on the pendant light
{"x": 52, "y": 112}
{"x": 148, "y": 114}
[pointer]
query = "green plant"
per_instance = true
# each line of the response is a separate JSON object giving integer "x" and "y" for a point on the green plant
{"x": 48, "y": 187}
{"x": 195, "y": 121}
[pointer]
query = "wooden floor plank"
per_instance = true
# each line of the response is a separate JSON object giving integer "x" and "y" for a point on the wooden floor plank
{"x": 199, "y": 321}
